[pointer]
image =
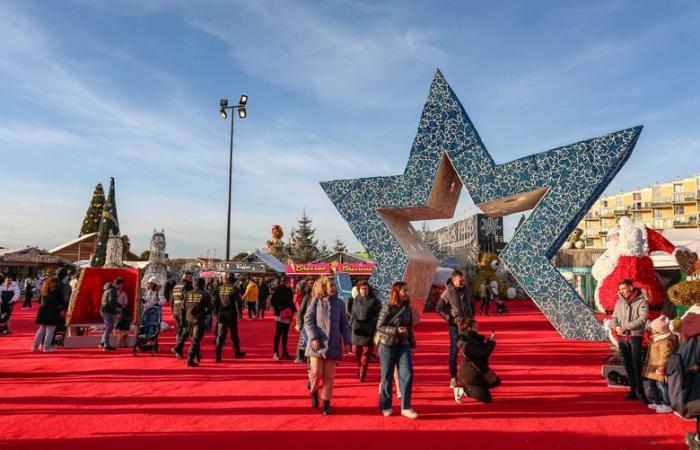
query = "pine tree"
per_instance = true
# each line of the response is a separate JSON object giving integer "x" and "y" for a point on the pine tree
{"x": 305, "y": 246}
{"x": 108, "y": 224}
{"x": 339, "y": 246}
{"x": 91, "y": 223}
{"x": 323, "y": 250}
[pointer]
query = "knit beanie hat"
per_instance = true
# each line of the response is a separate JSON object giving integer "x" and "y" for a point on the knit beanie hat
{"x": 660, "y": 324}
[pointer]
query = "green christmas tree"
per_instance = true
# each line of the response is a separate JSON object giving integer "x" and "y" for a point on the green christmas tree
{"x": 305, "y": 246}
{"x": 94, "y": 212}
{"x": 108, "y": 224}
{"x": 339, "y": 246}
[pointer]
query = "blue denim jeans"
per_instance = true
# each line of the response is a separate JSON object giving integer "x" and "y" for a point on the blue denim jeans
{"x": 452, "y": 362}
{"x": 110, "y": 320}
{"x": 390, "y": 357}
{"x": 658, "y": 392}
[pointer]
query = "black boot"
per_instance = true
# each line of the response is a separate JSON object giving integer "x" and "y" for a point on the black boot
{"x": 314, "y": 399}
{"x": 239, "y": 354}
{"x": 191, "y": 362}
{"x": 218, "y": 356}
{"x": 326, "y": 407}
{"x": 363, "y": 374}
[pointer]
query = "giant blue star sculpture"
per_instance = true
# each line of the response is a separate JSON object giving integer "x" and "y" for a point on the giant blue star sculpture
{"x": 447, "y": 153}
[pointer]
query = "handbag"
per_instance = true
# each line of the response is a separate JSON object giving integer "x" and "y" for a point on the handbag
{"x": 489, "y": 377}
{"x": 286, "y": 315}
{"x": 377, "y": 335}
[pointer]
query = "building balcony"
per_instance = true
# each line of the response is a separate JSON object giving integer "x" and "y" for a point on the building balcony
{"x": 603, "y": 232}
{"x": 592, "y": 215}
{"x": 685, "y": 221}
{"x": 661, "y": 201}
{"x": 685, "y": 197}
{"x": 662, "y": 224}
{"x": 639, "y": 206}
{"x": 590, "y": 233}
{"x": 622, "y": 210}
{"x": 606, "y": 212}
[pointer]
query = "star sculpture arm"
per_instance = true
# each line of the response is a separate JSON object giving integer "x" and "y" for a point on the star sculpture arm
{"x": 561, "y": 184}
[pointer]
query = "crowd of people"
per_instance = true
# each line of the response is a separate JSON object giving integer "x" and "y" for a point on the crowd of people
{"x": 363, "y": 326}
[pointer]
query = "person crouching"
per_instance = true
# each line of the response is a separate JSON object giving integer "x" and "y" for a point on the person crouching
{"x": 474, "y": 373}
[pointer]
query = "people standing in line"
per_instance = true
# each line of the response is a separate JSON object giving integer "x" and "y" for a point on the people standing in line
{"x": 49, "y": 316}
{"x": 455, "y": 302}
{"x": 264, "y": 294}
{"x": 152, "y": 295}
{"x": 109, "y": 307}
{"x": 474, "y": 373}
{"x": 250, "y": 296}
{"x": 396, "y": 345}
{"x": 629, "y": 322}
{"x": 123, "y": 324}
{"x": 28, "y": 293}
{"x": 363, "y": 323}
{"x": 178, "y": 294}
{"x": 302, "y": 297}
{"x": 198, "y": 305}
{"x": 226, "y": 303}
{"x": 326, "y": 326}
{"x": 662, "y": 344}
{"x": 283, "y": 307}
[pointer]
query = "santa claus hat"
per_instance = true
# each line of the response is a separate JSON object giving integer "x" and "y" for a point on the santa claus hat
{"x": 660, "y": 324}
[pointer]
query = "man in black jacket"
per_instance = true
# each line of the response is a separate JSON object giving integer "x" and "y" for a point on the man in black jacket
{"x": 455, "y": 302}
{"x": 108, "y": 310}
{"x": 178, "y": 306}
{"x": 197, "y": 306}
{"x": 226, "y": 303}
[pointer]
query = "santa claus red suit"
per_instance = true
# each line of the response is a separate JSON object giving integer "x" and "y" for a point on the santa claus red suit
{"x": 627, "y": 257}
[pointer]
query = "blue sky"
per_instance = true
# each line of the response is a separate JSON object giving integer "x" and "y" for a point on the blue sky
{"x": 95, "y": 88}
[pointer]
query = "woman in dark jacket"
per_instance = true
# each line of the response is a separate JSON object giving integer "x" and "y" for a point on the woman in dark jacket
{"x": 363, "y": 323}
{"x": 304, "y": 295}
{"x": 475, "y": 373}
{"x": 396, "y": 344}
{"x": 49, "y": 316}
{"x": 284, "y": 309}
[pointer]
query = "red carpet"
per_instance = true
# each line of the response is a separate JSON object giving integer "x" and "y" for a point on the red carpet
{"x": 552, "y": 397}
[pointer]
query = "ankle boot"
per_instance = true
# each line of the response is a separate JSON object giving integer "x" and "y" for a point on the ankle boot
{"x": 326, "y": 407}
{"x": 314, "y": 399}
{"x": 218, "y": 355}
{"x": 363, "y": 374}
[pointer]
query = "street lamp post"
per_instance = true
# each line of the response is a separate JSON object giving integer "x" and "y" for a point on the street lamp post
{"x": 242, "y": 113}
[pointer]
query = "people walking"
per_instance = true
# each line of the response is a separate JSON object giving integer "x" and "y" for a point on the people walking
{"x": 251, "y": 298}
{"x": 629, "y": 322}
{"x": 283, "y": 307}
{"x": 49, "y": 316}
{"x": 152, "y": 295}
{"x": 177, "y": 296}
{"x": 109, "y": 307}
{"x": 326, "y": 326}
{"x": 475, "y": 375}
{"x": 28, "y": 293}
{"x": 363, "y": 323}
{"x": 198, "y": 305}
{"x": 396, "y": 344}
{"x": 9, "y": 293}
{"x": 226, "y": 303}
{"x": 264, "y": 293}
{"x": 455, "y": 302}
{"x": 302, "y": 297}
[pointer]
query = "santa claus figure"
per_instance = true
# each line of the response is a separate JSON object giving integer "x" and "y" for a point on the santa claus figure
{"x": 627, "y": 257}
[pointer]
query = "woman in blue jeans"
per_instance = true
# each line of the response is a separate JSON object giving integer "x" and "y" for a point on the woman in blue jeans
{"x": 396, "y": 344}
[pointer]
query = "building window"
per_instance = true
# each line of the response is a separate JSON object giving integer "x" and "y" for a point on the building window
{"x": 589, "y": 242}
{"x": 678, "y": 210}
{"x": 605, "y": 203}
{"x": 657, "y": 214}
{"x": 678, "y": 187}
{"x": 637, "y": 217}
{"x": 637, "y": 196}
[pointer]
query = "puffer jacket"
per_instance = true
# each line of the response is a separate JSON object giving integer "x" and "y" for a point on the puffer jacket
{"x": 387, "y": 329}
{"x": 455, "y": 303}
{"x": 661, "y": 347}
{"x": 632, "y": 315}
{"x": 109, "y": 303}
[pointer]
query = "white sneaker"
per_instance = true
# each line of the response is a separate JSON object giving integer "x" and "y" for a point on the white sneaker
{"x": 453, "y": 383}
{"x": 398, "y": 393}
{"x": 409, "y": 413}
{"x": 652, "y": 406}
{"x": 459, "y": 392}
{"x": 48, "y": 350}
{"x": 664, "y": 409}
{"x": 387, "y": 412}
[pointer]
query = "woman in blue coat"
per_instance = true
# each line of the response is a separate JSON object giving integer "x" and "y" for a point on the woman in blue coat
{"x": 325, "y": 324}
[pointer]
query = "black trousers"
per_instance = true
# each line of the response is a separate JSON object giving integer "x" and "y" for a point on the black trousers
{"x": 281, "y": 331}
{"x": 196, "y": 331}
{"x": 632, "y": 354}
{"x": 485, "y": 301}
{"x": 228, "y": 324}
{"x": 27, "y": 301}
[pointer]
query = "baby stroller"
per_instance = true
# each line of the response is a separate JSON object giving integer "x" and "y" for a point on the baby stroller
{"x": 147, "y": 336}
{"x": 501, "y": 307}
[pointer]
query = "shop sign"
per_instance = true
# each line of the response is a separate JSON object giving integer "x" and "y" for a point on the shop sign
{"x": 242, "y": 267}
{"x": 31, "y": 258}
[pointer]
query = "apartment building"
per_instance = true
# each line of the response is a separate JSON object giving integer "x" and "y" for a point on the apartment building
{"x": 659, "y": 206}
